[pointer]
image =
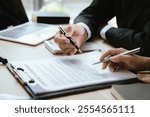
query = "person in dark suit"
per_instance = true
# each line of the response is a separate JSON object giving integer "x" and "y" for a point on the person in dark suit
{"x": 11, "y": 13}
{"x": 133, "y": 20}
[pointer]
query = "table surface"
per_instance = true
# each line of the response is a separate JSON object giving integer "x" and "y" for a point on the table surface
{"x": 15, "y": 51}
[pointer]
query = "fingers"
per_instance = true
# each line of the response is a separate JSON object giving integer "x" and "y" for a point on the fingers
{"x": 104, "y": 65}
{"x": 64, "y": 44}
{"x": 69, "y": 30}
{"x": 121, "y": 58}
{"x": 67, "y": 51}
{"x": 77, "y": 33}
{"x": 73, "y": 51}
{"x": 144, "y": 77}
{"x": 112, "y": 52}
{"x": 112, "y": 66}
{"x": 61, "y": 39}
{"x": 114, "y": 60}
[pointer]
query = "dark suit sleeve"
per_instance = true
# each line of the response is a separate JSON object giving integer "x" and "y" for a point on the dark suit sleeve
{"x": 99, "y": 12}
{"x": 129, "y": 39}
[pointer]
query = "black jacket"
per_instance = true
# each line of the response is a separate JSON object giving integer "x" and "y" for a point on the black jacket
{"x": 11, "y": 13}
{"x": 133, "y": 20}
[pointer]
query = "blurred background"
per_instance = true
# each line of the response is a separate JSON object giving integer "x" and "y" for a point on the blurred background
{"x": 70, "y": 7}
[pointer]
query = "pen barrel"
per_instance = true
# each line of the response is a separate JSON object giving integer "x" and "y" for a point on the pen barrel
{"x": 130, "y": 52}
{"x": 71, "y": 40}
{"x": 106, "y": 60}
{"x": 74, "y": 44}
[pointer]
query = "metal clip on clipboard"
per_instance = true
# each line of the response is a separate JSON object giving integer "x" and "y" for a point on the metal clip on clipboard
{"x": 17, "y": 74}
{"x": 3, "y": 60}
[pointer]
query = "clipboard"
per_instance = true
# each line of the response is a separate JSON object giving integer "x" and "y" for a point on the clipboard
{"x": 36, "y": 92}
{"x": 50, "y": 95}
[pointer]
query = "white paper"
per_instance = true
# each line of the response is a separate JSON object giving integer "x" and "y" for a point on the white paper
{"x": 68, "y": 72}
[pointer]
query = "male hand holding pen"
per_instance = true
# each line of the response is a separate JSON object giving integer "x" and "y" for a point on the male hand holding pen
{"x": 119, "y": 59}
{"x": 77, "y": 33}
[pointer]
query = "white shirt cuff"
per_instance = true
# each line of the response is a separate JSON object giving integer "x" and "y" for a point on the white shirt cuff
{"x": 104, "y": 30}
{"x": 86, "y": 28}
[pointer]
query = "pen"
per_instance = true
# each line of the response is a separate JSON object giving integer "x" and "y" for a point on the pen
{"x": 144, "y": 72}
{"x": 107, "y": 59}
{"x": 71, "y": 40}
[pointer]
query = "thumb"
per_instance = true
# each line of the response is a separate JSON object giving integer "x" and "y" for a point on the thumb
{"x": 69, "y": 30}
